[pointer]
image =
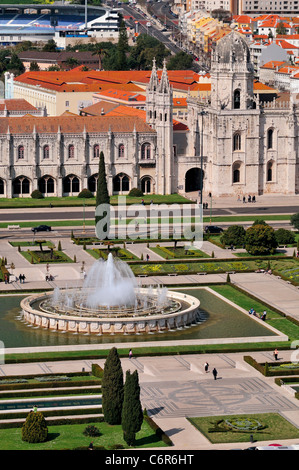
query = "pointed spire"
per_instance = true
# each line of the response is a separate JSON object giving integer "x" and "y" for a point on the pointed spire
{"x": 154, "y": 81}
{"x": 164, "y": 82}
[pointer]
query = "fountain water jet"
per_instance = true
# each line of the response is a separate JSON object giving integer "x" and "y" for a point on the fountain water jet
{"x": 109, "y": 301}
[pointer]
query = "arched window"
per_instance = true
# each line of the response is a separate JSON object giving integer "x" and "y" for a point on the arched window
{"x": 237, "y": 99}
{"x": 21, "y": 152}
{"x": 71, "y": 151}
{"x": 96, "y": 151}
{"x": 1, "y": 186}
{"x": 20, "y": 186}
{"x": 236, "y": 173}
{"x": 146, "y": 185}
{"x": 92, "y": 183}
{"x": 46, "y": 185}
{"x": 71, "y": 184}
{"x": 270, "y": 171}
{"x": 121, "y": 151}
{"x": 270, "y": 139}
{"x": 146, "y": 151}
{"x": 121, "y": 183}
{"x": 46, "y": 151}
{"x": 237, "y": 142}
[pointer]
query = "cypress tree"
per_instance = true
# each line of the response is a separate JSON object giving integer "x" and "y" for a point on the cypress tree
{"x": 122, "y": 47}
{"x": 132, "y": 416}
{"x": 102, "y": 197}
{"x": 112, "y": 388}
{"x": 35, "y": 428}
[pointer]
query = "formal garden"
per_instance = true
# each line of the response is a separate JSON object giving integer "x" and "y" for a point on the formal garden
{"x": 102, "y": 407}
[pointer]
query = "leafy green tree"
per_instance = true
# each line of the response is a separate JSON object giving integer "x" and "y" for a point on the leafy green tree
{"x": 295, "y": 221}
{"x": 50, "y": 46}
{"x": 112, "y": 388}
{"x": 35, "y": 428}
{"x": 180, "y": 61}
{"x": 15, "y": 65}
{"x": 260, "y": 240}
{"x": 132, "y": 416}
{"x": 102, "y": 201}
{"x": 284, "y": 236}
{"x": 281, "y": 29}
{"x": 122, "y": 47}
{"x": 34, "y": 66}
{"x": 234, "y": 235}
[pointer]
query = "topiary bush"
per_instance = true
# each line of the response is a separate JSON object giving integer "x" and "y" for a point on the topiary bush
{"x": 35, "y": 428}
{"x": 36, "y": 194}
{"x": 91, "y": 431}
{"x": 135, "y": 192}
{"x": 85, "y": 194}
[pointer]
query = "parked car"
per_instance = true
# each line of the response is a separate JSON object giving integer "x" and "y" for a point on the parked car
{"x": 213, "y": 229}
{"x": 41, "y": 228}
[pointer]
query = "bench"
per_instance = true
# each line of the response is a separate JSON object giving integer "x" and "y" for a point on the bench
{"x": 142, "y": 275}
{"x": 172, "y": 274}
{"x": 230, "y": 272}
{"x": 201, "y": 274}
{"x": 13, "y": 227}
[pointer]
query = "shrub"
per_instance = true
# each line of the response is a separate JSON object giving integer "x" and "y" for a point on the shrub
{"x": 36, "y": 194}
{"x": 35, "y": 428}
{"x": 284, "y": 236}
{"x": 85, "y": 194}
{"x": 260, "y": 239}
{"x": 234, "y": 235}
{"x": 135, "y": 192}
{"x": 91, "y": 431}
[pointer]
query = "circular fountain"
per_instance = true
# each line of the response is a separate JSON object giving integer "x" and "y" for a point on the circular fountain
{"x": 110, "y": 301}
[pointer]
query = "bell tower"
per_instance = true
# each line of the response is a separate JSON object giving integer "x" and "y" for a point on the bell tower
{"x": 232, "y": 74}
{"x": 159, "y": 108}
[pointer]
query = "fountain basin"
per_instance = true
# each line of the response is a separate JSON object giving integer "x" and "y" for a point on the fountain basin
{"x": 182, "y": 310}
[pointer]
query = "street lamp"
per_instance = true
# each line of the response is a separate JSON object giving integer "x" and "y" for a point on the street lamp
{"x": 202, "y": 113}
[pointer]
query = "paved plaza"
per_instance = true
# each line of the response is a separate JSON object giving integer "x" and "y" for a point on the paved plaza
{"x": 173, "y": 387}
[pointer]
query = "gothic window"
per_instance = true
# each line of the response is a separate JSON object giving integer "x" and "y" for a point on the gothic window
{"x": 236, "y": 173}
{"x": 1, "y": 187}
{"x": 270, "y": 139}
{"x": 269, "y": 171}
{"x": 121, "y": 151}
{"x": 21, "y": 185}
{"x": 71, "y": 184}
{"x": 237, "y": 142}
{"x": 146, "y": 186}
{"x": 21, "y": 152}
{"x": 92, "y": 183}
{"x": 71, "y": 151}
{"x": 46, "y": 185}
{"x": 237, "y": 97}
{"x": 146, "y": 151}
{"x": 121, "y": 183}
{"x": 96, "y": 151}
{"x": 46, "y": 151}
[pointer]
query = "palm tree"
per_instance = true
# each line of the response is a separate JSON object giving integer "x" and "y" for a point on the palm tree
{"x": 100, "y": 52}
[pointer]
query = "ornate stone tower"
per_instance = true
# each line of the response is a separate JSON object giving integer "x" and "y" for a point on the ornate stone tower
{"x": 232, "y": 74}
{"x": 159, "y": 105}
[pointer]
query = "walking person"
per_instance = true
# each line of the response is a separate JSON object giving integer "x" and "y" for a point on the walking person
{"x": 215, "y": 373}
{"x": 206, "y": 367}
{"x": 130, "y": 354}
{"x": 275, "y": 353}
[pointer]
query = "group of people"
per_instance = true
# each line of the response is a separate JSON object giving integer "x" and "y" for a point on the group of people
{"x": 214, "y": 371}
{"x": 249, "y": 199}
{"x": 21, "y": 278}
{"x": 262, "y": 316}
{"x": 49, "y": 277}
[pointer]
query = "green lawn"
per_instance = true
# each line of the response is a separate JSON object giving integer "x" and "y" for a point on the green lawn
{"x": 276, "y": 428}
{"x": 71, "y": 436}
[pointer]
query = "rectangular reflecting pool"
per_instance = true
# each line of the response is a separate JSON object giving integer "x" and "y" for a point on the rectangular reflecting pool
{"x": 222, "y": 320}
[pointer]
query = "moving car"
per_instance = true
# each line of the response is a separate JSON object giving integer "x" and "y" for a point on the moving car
{"x": 41, "y": 228}
{"x": 213, "y": 229}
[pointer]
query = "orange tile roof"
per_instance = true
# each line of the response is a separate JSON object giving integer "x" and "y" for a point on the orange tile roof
{"x": 16, "y": 104}
{"x": 126, "y": 111}
{"x": 272, "y": 64}
{"x": 258, "y": 86}
{"x": 78, "y": 80}
{"x": 73, "y": 124}
{"x": 121, "y": 95}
